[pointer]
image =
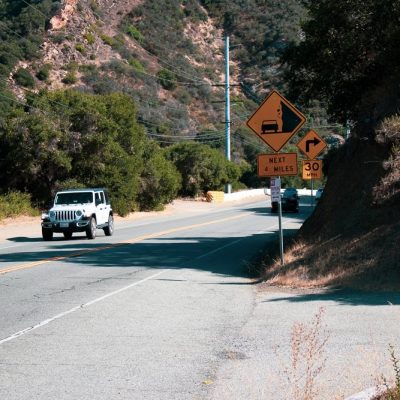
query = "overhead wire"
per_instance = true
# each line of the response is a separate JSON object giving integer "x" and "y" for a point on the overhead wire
{"x": 35, "y": 8}
{"x": 183, "y": 75}
{"x": 11, "y": 30}
{"x": 195, "y": 79}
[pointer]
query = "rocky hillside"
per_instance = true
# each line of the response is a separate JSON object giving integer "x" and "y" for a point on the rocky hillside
{"x": 169, "y": 58}
{"x": 97, "y": 46}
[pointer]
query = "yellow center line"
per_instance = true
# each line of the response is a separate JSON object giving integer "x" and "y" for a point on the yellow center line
{"x": 129, "y": 241}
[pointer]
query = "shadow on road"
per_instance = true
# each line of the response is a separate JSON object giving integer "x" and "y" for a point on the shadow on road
{"x": 343, "y": 296}
{"x": 203, "y": 253}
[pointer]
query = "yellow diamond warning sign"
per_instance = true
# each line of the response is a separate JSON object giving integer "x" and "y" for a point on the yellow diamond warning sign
{"x": 276, "y": 121}
{"x": 311, "y": 144}
{"x": 283, "y": 164}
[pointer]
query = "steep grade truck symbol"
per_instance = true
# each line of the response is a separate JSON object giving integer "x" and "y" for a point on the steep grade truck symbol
{"x": 269, "y": 126}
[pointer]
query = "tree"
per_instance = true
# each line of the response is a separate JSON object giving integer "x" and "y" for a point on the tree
{"x": 159, "y": 182}
{"x": 32, "y": 154}
{"x": 69, "y": 138}
{"x": 202, "y": 168}
{"x": 349, "y": 59}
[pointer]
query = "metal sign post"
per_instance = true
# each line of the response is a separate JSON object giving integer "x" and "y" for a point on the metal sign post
{"x": 280, "y": 228}
{"x": 275, "y": 187}
{"x": 312, "y": 194}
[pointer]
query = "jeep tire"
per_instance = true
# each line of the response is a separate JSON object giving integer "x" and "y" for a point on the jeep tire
{"x": 91, "y": 229}
{"x": 109, "y": 229}
{"x": 47, "y": 234}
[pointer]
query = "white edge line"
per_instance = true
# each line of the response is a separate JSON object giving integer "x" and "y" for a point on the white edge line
{"x": 63, "y": 314}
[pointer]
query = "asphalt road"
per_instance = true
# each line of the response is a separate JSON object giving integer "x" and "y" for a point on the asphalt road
{"x": 164, "y": 309}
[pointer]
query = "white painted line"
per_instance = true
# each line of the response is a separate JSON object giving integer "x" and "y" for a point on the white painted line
{"x": 219, "y": 248}
{"x": 10, "y": 247}
{"x": 234, "y": 242}
{"x": 80, "y": 307}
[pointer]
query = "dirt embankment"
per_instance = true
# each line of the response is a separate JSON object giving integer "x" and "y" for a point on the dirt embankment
{"x": 353, "y": 236}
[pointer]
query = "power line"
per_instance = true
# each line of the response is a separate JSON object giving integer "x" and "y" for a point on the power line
{"x": 35, "y": 8}
{"x": 184, "y": 75}
{"x": 11, "y": 30}
{"x": 28, "y": 105}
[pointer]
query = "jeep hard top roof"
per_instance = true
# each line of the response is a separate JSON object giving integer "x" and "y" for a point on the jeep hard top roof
{"x": 83, "y": 190}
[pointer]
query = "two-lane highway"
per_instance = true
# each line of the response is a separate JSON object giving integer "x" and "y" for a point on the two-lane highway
{"x": 148, "y": 313}
{"x": 164, "y": 310}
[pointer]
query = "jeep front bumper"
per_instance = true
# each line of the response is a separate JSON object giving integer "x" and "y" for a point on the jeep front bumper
{"x": 64, "y": 226}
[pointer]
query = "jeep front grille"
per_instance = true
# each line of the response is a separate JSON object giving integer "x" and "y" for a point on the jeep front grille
{"x": 66, "y": 215}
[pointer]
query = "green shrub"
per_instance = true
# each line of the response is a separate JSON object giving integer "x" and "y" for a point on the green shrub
{"x": 107, "y": 39}
{"x": 167, "y": 79}
{"x": 93, "y": 5}
{"x": 81, "y": 48}
{"x": 24, "y": 78}
{"x": 44, "y": 72}
{"x": 134, "y": 33}
{"x": 137, "y": 65}
{"x": 70, "y": 78}
{"x": 57, "y": 39}
{"x": 90, "y": 38}
{"x": 71, "y": 66}
{"x": 13, "y": 204}
{"x": 87, "y": 68}
{"x": 183, "y": 96}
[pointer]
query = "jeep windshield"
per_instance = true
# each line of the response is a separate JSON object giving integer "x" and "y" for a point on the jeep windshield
{"x": 74, "y": 198}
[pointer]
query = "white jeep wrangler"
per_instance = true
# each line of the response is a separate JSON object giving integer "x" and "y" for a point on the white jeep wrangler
{"x": 79, "y": 210}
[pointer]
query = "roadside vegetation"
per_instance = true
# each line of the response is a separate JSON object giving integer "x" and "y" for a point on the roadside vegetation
{"x": 308, "y": 341}
{"x": 16, "y": 204}
{"x": 392, "y": 392}
{"x": 95, "y": 140}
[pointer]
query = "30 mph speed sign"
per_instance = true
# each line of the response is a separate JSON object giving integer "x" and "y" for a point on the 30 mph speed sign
{"x": 312, "y": 169}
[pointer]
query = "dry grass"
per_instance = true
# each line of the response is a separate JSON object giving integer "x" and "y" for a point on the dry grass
{"x": 308, "y": 359}
{"x": 352, "y": 237}
{"x": 392, "y": 391}
{"x": 389, "y": 187}
{"x": 360, "y": 261}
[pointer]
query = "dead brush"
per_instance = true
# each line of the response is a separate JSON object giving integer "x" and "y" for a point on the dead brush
{"x": 392, "y": 392}
{"x": 308, "y": 359}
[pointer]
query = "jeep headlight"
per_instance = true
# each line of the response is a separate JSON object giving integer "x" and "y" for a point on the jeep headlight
{"x": 52, "y": 214}
{"x": 45, "y": 215}
{"x": 86, "y": 213}
{"x": 78, "y": 214}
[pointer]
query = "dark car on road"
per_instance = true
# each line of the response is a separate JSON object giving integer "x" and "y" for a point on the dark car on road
{"x": 290, "y": 201}
{"x": 318, "y": 194}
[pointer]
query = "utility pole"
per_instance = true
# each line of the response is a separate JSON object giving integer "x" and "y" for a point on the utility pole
{"x": 347, "y": 129}
{"x": 228, "y": 187}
